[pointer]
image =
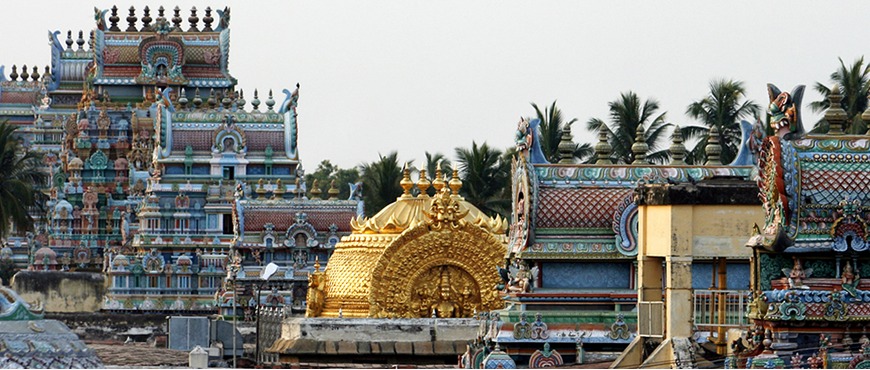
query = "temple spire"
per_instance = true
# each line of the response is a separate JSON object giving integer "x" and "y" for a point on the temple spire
{"x": 423, "y": 183}
{"x": 640, "y": 147}
{"x": 131, "y": 20}
{"x": 406, "y": 182}
{"x": 438, "y": 180}
{"x": 677, "y": 149}
{"x": 603, "y": 148}
{"x": 713, "y": 150}
{"x": 193, "y": 19}
{"x": 333, "y": 190}
{"x": 835, "y": 115}
{"x": 566, "y": 146}
{"x": 455, "y": 183}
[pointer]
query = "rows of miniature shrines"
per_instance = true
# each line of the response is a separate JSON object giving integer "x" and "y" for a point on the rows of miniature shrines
{"x": 147, "y": 144}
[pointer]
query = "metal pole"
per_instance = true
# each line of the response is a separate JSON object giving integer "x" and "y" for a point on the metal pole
{"x": 235, "y": 326}
{"x": 257, "y": 359}
{"x": 721, "y": 342}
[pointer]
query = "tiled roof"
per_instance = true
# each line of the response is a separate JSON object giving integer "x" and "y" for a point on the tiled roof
{"x": 284, "y": 218}
{"x": 578, "y": 208}
{"x": 199, "y": 139}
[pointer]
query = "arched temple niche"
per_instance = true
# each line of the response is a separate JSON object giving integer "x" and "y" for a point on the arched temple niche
{"x": 426, "y": 268}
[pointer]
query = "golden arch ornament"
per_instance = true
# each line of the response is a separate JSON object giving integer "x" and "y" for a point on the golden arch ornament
{"x": 448, "y": 270}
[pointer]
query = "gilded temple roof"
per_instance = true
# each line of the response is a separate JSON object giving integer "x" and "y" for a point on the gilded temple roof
{"x": 409, "y": 211}
{"x": 418, "y": 254}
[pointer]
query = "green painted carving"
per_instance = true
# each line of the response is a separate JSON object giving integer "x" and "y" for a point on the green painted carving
{"x": 822, "y": 268}
{"x": 98, "y": 161}
{"x": 771, "y": 268}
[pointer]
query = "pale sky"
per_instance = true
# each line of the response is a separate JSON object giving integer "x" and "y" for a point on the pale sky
{"x": 417, "y": 76}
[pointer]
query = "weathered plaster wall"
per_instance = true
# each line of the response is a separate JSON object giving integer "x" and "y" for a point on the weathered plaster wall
{"x": 722, "y": 230}
{"x": 61, "y": 292}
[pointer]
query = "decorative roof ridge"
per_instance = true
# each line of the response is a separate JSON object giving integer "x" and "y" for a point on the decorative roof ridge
{"x": 162, "y": 23}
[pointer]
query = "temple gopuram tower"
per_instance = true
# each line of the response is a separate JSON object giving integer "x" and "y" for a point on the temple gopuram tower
{"x": 154, "y": 153}
{"x": 811, "y": 304}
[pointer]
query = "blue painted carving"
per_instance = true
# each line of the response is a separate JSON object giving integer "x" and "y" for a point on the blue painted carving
{"x": 225, "y": 47}
{"x": 288, "y": 109}
{"x": 625, "y": 226}
{"x": 745, "y": 156}
{"x": 224, "y": 21}
{"x": 536, "y": 155}
{"x": 99, "y": 47}
{"x": 163, "y": 123}
{"x": 56, "y": 71}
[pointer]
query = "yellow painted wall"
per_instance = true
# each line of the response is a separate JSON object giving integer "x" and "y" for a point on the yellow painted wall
{"x": 701, "y": 231}
{"x": 722, "y": 231}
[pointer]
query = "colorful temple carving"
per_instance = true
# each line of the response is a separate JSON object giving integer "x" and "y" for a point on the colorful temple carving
{"x": 420, "y": 256}
{"x": 573, "y": 246}
{"x": 156, "y": 160}
{"x": 811, "y": 303}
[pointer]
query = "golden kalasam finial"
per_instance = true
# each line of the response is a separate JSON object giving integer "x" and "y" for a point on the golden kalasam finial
{"x": 455, "y": 184}
{"x": 333, "y": 190}
{"x": 316, "y": 264}
{"x": 278, "y": 193}
{"x": 438, "y": 180}
{"x": 423, "y": 183}
{"x": 406, "y": 182}
{"x": 315, "y": 189}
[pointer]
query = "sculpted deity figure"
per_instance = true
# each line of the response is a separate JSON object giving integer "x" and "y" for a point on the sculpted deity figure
{"x": 523, "y": 137}
{"x": 850, "y": 280}
{"x": 316, "y": 295}
{"x": 797, "y": 274}
{"x": 784, "y": 110}
{"x": 445, "y": 307}
{"x": 520, "y": 282}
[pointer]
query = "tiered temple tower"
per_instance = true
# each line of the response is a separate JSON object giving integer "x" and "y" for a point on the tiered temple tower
{"x": 812, "y": 300}
{"x": 148, "y": 141}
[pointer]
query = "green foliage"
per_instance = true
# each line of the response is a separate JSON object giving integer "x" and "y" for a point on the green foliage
{"x": 551, "y": 133}
{"x": 20, "y": 174}
{"x": 485, "y": 174}
{"x": 854, "y": 82}
{"x": 326, "y": 172}
{"x": 381, "y": 182}
{"x": 626, "y": 114}
{"x": 7, "y": 270}
{"x": 724, "y": 107}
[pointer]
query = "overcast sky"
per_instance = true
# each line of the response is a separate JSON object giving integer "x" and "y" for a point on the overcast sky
{"x": 417, "y": 76}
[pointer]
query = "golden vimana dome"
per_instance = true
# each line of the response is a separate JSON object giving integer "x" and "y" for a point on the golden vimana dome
{"x": 419, "y": 256}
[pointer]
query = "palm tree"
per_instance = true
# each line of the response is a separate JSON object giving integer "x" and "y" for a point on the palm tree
{"x": 381, "y": 182}
{"x": 551, "y": 133}
{"x": 626, "y": 114}
{"x": 485, "y": 175}
{"x": 20, "y": 173}
{"x": 724, "y": 107}
{"x": 854, "y": 82}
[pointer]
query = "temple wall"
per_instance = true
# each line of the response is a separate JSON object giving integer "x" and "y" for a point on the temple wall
{"x": 375, "y": 330}
{"x": 61, "y": 292}
{"x": 722, "y": 230}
